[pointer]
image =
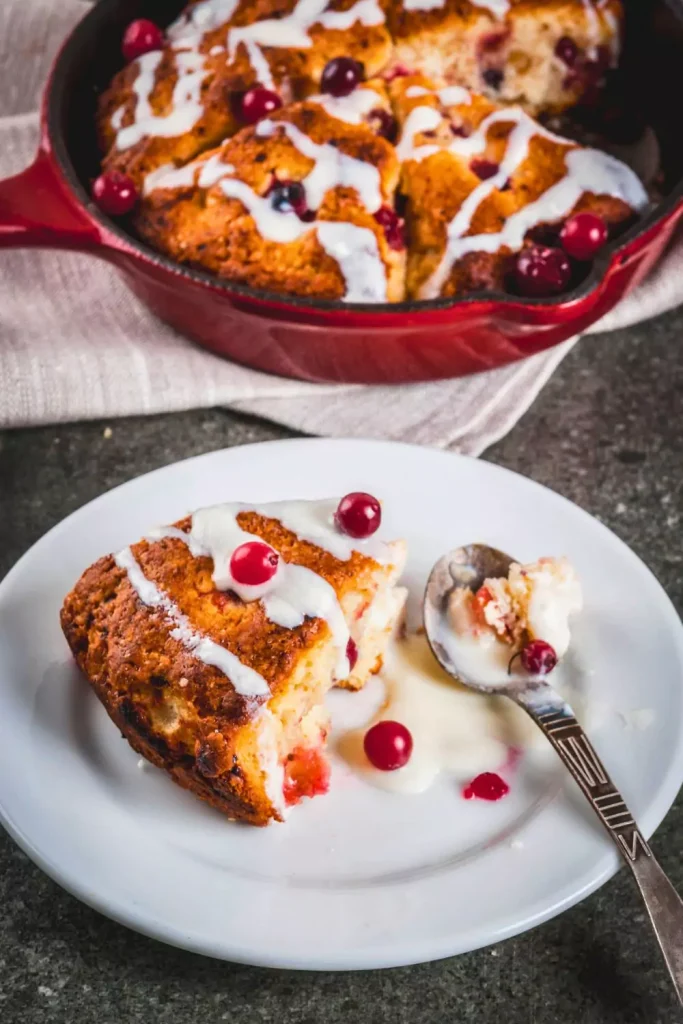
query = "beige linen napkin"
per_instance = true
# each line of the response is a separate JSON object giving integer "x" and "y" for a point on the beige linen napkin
{"x": 75, "y": 344}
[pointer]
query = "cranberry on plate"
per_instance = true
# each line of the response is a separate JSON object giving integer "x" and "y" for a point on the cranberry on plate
{"x": 141, "y": 36}
{"x": 341, "y": 76}
{"x": 255, "y": 104}
{"x": 114, "y": 193}
{"x": 388, "y": 745}
{"x": 358, "y": 515}
{"x": 352, "y": 653}
{"x": 253, "y": 563}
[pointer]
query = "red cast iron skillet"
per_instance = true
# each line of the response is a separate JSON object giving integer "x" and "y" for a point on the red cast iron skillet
{"x": 49, "y": 205}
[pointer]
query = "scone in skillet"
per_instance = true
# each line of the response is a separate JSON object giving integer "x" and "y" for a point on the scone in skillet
{"x": 303, "y": 203}
{"x": 225, "y": 692}
{"x": 488, "y": 191}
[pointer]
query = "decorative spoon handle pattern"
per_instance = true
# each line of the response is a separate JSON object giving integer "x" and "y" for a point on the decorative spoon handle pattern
{"x": 664, "y": 906}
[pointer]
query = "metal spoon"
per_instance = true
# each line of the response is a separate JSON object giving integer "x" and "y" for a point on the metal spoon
{"x": 469, "y": 567}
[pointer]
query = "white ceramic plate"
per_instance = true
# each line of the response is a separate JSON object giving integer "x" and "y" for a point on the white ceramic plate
{"x": 360, "y": 878}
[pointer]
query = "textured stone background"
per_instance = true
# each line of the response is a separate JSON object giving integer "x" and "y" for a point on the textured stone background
{"x": 606, "y": 432}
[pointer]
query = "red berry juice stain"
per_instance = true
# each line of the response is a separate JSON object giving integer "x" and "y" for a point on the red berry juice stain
{"x": 487, "y": 786}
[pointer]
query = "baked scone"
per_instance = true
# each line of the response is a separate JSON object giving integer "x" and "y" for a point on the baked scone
{"x": 225, "y": 692}
{"x": 542, "y": 54}
{"x": 484, "y": 184}
{"x": 170, "y": 105}
{"x": 302, "y": 203}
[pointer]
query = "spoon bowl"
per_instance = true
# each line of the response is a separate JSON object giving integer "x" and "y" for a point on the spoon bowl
{"x": 462, "y": 568}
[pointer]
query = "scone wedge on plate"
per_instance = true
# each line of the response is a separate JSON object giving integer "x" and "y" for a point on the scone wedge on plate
{"x": 219, "y": 681}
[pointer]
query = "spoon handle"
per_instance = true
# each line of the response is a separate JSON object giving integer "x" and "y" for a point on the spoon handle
{"x": 664, "y": 905}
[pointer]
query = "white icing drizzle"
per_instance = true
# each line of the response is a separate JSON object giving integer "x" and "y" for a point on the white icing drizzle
{"x": 117, "y": 118}
{"x": 313, "y": 521}
{"x": 273, "y": 225}
{"x": 588, "y": 170}
{"x": 190, "y": 27}
{"x": 332, "y": 168}
{"x": 186, "y": 107}
{"x": 354, "y": 248}
{"x": 211, "y": 171}
{"x": 450, "y": 96}
{"x": 498, "y": 8}
{"x": 244, "y": 679}
{"x": 295, "y": 592}
{"x": 169, "y": 176}
{"x": 292, "y": 30}
{"x": 352, "y": 108}
{"x": 422, "y": 5}
{"x": 420, "y": 119}
{"x": 356, "y": 251}
{"x": 185, "y": 36}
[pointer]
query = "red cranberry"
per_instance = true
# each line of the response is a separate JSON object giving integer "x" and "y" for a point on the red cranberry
{"x": 538, "y": 657}
{"x": 358, "y": 515}
{"x": 289, "y": 197}
{"x": 541, "y": 270}
{"x": 253, "y": 563}
{"x": 256, "y": 104}
{"x": 141, "y": 36}
{"x": 487, "y": 786}
{"x": 567, "y": 51}
{"x": 493, "y": 77}
{"x": 384, "y": 124}
{"x": 583, "y": 235}
{"x": 484, "y": 168}
{"x": 352, "y": 653}
{"x": 388, "y": 746}
{"x": 114, "y": 193}
{"x": 492, "y": 41}
{"x": 459, "y": 130}
{"x": 341, "y": 76}
{"x": 393, "y": 227}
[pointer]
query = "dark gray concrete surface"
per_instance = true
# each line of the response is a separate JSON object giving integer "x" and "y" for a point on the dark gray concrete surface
{"x": 606, "y": 432}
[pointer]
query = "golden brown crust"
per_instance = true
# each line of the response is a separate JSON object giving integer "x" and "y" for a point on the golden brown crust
{"x": 295, "y": 72}
{"x": 205, "y": 228}
{"x": 510, "y": 59}
{"x": 182, "y": 714}
{"x": 456, "y": 42}
{"x": 437, "y": 186}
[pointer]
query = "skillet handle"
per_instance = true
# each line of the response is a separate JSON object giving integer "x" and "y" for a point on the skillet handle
{"x": 36, "y": 209}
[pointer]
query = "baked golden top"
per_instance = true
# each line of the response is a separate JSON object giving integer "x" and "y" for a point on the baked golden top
{"x": 178, "y": 111}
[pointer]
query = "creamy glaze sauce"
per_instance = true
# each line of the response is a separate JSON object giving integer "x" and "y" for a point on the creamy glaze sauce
{"x": 455, "y": 730}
